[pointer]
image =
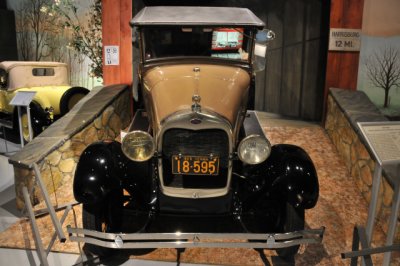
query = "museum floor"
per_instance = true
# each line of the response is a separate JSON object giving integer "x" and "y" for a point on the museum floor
{"x": 339, "y": 209}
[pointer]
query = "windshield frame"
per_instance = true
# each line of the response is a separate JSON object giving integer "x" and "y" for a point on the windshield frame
{"x": 165, "y": 60}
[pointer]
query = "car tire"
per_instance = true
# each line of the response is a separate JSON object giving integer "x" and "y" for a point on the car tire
{"x": 71, "y": 97}
{"x": 35, "y": 123}
{"x": 293, "y": 221}
{"x": 103, "y": 217}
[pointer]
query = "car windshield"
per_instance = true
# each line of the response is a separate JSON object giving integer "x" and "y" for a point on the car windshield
{"x": 217, "y": 42}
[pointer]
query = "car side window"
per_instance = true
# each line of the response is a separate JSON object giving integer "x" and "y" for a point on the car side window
{"x": 43, "y": 72}
{"x": 3, "y": 78}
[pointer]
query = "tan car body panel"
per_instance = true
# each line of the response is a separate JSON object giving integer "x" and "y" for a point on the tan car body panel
{"x": 223, "y": 89}
{"x": 20, "y": 74}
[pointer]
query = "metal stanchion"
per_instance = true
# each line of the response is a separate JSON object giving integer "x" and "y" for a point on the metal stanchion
{"x": 35, "y": 230}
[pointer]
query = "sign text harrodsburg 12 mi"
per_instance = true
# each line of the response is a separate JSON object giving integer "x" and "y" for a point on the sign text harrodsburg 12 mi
{"x": 344, "y": 39}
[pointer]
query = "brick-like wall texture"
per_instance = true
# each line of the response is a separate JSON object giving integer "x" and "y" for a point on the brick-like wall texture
{"x": 358, "y": 160}
{"x": 58, "y": 167}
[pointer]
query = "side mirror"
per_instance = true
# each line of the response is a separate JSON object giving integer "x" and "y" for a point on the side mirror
{"x": 3, "y": 79}
{"x": 260, "y": 49}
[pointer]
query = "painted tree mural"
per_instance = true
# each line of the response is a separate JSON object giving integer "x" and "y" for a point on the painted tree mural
{"x": 65, "y": 31}
{"x": 35, "y": 29}
{"x": 383, "y": 70}
{"x": 86, "y": 37}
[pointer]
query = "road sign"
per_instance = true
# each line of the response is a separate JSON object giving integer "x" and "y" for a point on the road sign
{"x": 344, "y": 40}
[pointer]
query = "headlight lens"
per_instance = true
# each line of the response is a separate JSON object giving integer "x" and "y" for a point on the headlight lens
{"x": 254, "y": 149}
{"x": 138, "y": 146}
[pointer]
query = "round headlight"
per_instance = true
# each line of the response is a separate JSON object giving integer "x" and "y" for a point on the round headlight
{"x": 254, "y": 149}
{"x": 138, "y": 146}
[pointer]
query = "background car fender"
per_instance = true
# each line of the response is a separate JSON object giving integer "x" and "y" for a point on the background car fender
{"x": 97, "y": 172}
{"x": 295, "y": 175}
{"x": 39, "y": 118}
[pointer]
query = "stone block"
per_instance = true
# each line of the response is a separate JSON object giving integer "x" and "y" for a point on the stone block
{"x": 106, "y": 115}
{"x": 54, "y": 158}
{"x": 115, "y": 124}
{"x": 67, "y": 166}
{"x": 90, "y": 135}
{"x": 66, "y": 146}
{"x": 77, "y": 147}
{"x": 345, "y": 134}
{"x": 366, "y": 174}
{"x": 98, "y": 123}
{"x": 387, "y": 194}
{"x": 362, "y": 152}
{"x": 101, "y": 133}
{"x": 110, "y": 134}
{"x": 68, "y": 154}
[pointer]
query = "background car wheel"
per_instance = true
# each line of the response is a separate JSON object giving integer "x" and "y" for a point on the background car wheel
{"x": 25, "y": 127}
{"x": 71, "y": 97}
{"x": 36, "y": 130}
{"x": 293, "y": 221}
{"x": 103, "y": 217}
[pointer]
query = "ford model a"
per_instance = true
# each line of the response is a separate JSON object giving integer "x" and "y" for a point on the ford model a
{"x": 195, "y": 163}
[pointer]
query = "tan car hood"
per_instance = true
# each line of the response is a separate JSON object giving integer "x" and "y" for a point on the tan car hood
{"x": 222, "y": 89}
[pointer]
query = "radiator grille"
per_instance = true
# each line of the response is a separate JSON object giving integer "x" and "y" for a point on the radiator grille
{"x": 195, "y": 143}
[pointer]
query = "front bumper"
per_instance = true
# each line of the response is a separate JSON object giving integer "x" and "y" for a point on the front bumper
{"x": 191, "y": 240}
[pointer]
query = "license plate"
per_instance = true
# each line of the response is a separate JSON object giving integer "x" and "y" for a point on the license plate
{"x": 195, "y": 165}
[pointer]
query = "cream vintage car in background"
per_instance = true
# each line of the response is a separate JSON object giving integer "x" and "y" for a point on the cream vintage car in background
{"x": 54, "y": 95}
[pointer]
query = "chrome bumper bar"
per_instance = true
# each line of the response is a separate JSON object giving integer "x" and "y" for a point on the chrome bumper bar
{"x": 190, "y": 240}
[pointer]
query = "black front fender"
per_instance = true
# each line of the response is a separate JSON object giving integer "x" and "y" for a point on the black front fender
{"x": 97, "y": 172}
{"x": 295, "y": 175}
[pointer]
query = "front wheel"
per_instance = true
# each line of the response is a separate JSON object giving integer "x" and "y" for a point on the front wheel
{"x": 293, "y": 221}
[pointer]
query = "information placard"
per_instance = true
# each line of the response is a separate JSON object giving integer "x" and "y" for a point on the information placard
{"x": 22, "y": 98}
{"x": 111, "y": 55}
{"x": 344, "y": 40}
{"x": 383, "y": 139}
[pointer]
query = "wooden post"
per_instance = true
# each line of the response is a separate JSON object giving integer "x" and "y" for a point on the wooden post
{"x": 342, "y": 67}
{"x": 116, "y": 15}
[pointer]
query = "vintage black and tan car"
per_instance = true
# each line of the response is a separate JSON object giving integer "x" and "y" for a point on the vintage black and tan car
{"x": 54, "y": 95}
{"x": 195, "y": 164}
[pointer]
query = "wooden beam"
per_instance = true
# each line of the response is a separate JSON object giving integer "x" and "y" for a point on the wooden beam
{"x": 116, "y": 15}
{"x": 342, "y": 67}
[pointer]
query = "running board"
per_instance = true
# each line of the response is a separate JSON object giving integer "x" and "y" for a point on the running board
{"x": 191, "y": 240}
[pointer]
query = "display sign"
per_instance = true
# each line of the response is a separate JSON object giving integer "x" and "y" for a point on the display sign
{"x": 344, "y": 40}
{"x": 22, "y": 98}
{"x": 383, "y": 139}
{"x": 227, "y": 39}
{"x": 111, "y": 55}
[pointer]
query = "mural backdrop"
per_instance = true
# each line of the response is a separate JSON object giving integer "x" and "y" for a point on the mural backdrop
{"x": 64, "y": 31}
{"x": 379, "y": 70}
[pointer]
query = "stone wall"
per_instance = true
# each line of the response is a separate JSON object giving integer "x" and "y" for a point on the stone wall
{"x": 344, "y": 110}
{"x": 99, "y": 116}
